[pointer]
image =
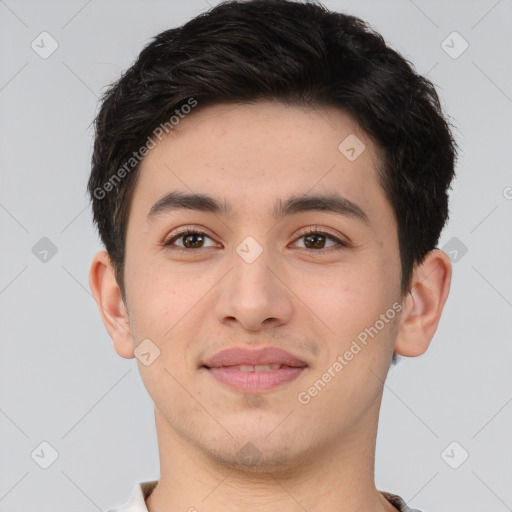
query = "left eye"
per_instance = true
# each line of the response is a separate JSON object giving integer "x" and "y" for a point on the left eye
{"x": 316, "y": 238}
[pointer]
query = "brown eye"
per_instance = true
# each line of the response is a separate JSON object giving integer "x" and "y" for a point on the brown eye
{"x": 190, "y": 239}
{"x": 316, "y": 239}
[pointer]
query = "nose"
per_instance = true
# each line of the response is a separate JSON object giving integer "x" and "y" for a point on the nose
{"x": 254, "y": 294}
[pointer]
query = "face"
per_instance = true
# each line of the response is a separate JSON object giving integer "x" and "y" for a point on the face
{"x": 319, "y": 279}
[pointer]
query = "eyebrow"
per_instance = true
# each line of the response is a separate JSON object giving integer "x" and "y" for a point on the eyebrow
{"x": 332, "y": 203}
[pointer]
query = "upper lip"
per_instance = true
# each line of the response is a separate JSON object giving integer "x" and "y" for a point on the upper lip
{"x": 236, "y": 356}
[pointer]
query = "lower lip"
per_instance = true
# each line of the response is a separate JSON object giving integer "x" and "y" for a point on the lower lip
{"x": 255, "y": 382}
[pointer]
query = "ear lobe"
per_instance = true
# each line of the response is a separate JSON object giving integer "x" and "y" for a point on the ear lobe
{"x": 424, "y": 304}
{"x": 110, "y": 304}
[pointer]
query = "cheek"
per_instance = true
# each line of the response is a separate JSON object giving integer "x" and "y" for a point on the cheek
{"x": 169, "y": 301}
{"x": 162, "y": 310}
{"x": 346, "y": 298}
{"x": 350, "y": 304}
{"x": 154, "y": 297}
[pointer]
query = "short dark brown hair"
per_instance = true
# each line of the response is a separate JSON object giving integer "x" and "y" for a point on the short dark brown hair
{"x": 294, "y": 52}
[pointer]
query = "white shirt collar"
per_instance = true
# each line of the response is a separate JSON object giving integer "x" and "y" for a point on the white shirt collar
{"x": 137, "y": 502}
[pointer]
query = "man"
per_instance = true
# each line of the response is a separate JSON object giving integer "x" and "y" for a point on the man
{"x": 270, "y": 183}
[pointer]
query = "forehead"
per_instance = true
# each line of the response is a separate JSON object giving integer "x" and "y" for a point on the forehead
{"x": 250, "y": 155}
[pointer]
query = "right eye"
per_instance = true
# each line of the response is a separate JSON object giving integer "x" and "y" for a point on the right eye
{"x": 189, "y": 237}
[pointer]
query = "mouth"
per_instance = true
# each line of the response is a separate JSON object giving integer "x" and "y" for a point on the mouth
{"x": 257, "y": 378}
{"x": 244, "y": 356}
{"x": 254, "y": 370}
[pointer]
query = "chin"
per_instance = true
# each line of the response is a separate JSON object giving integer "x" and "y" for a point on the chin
{"x": 255, "y": 458}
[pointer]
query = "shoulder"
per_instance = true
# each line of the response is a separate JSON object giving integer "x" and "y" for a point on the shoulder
{"x": 398, "y": 502}
{"x": 137, "y": 501}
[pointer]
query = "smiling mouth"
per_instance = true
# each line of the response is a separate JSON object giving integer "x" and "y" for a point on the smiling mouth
{"x": 257, "y": 378}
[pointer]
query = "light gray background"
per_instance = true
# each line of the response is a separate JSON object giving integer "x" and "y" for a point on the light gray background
{"x": 62, "y": 382}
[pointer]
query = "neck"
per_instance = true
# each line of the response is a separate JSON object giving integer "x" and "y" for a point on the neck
{"x": 338, "y": 477}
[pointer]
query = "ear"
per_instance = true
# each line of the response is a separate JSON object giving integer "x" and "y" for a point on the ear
{"x": 424, "y": 304}
{"x": 112, "y": 309}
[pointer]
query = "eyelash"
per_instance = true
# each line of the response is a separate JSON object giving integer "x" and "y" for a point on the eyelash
{"x": 311, "y": 231}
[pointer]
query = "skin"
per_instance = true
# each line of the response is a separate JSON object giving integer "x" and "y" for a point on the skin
{"x": 314, "y": 456}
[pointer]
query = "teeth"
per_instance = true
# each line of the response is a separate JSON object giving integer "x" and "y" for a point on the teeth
{"x": 257, "y": 368}
{"x": 244, "y": 368}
